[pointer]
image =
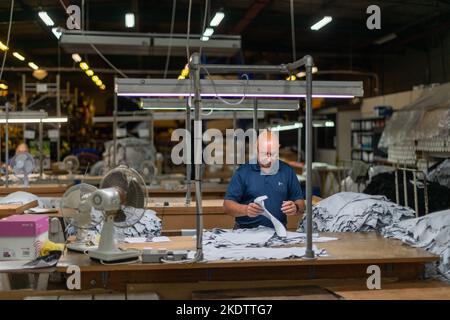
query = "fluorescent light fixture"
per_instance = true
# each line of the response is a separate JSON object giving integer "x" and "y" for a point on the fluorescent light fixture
{"x": 89, "y": 72}
{"x": 216, "y": 105}
{"x": 46, "y": 18}
{"x": 55, "y": 120}
{"x": 95, "y": 78}
{"x": 129, "y": 20}
{"x": 3, "y": 46}
{"x": 320, "y": 24}
{"x": 302, "y": 74}
{"x": 76, "y": 57}
{"x": 33, "y": 66}
{"x": 323, "y": 123}
{"x": 84, "y": 66}
{"x": 386, "y": 38}
{"x": 203, "y": 38}
{"x": 99, "y": 82}
{"x": 286, "y": 127}
{"x": 218, "y": 17}
{"x": 235, "y": 88}
{"x": 57, "y": 32}
{"x": 208, "y": 32}
{"x": 3, "y": 86}
{"x": 18, "y": 56}
{"x": 103, "y": 87}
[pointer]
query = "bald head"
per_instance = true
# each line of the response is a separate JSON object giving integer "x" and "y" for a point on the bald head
{"x": 268, "y": 148}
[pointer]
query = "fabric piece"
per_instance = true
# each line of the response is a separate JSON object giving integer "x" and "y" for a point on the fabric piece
{"x": 259, "y": 243}
{"x": 20, "y": 197}
{"x": 440, "y": 173}
{"x": 355, "y": 212}
{"x": 279, "y": 227}
{"x": 432, "y": 233}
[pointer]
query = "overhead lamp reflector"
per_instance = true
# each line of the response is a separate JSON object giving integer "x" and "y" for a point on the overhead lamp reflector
{"x": 84, "y": 66}
{"x": 129, "y": 20}
{"x": 33, "y": 66}
{"x": 208, "y": 32}
{"x": 76, "y": 57}
{"x": 46, "y": 18}
{"x": 218, "y": 17}
{"x": 3, "y": 46}
{"x": 57, "y": 32}
{"x": 18, "y": 56}
{"x": 322, "y": 23}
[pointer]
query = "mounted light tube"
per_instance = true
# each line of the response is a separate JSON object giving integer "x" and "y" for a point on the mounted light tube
{"x": 286, "y": 127}
{"x": 76, "y": 57}
{"x": 218, "y": 17}
{"x": 55, "y": 120}
{"x": 18, "y": 56}
{"x": 46, "y": 18}
{"x": 129, "y": 20}
{"x": 3, "y": 47}
{"x": 33, "y": 66}
{"x": 208, "y": 32}
{"x": 322, "y": 23}
{"x": 84, "y": 66}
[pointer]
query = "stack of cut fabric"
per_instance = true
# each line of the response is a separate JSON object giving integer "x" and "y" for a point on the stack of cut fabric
{"x": 432, "y": 233}
{"x": 355, "y": 212}
{"x": 441, "y": 173}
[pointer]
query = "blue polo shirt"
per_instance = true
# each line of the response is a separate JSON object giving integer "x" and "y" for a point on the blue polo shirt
{"x": 248, "y": 183}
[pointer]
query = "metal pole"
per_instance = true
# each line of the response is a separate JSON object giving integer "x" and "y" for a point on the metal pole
{"x": 188, "y": 151}
{"x": 115, "y": 127}
{"x": 7, "y": 142}
{"x": 405, "y": 187}
{"x": 58, "y": 114}
{"x": 397, "y": 191}
{"x": 24, "y": 100}
{"x": 299, "y": 144}
{"x": 255, "y": 116}
{"x": 416, "y": 200}
{"x": 234, "y": 142}
{"x": 309, "y": 254}
{"x": 41, "y": 157}
{"x": 198, "y": 152}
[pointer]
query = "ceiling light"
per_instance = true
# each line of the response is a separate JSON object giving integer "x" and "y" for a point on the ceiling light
{"x": 102, "y": 87}
{"x": 57, "y": 32}
{"x": 55, "y": 120}
{"x": 95, "y": 78}
{"x": 3, "y": 47}
{"x": 320, "y": 24}
{"x": 218, "y": 17}
{"x": 3, "y": 86}
{"x": 99, "y": 82}
{"x": 386, "y": 38}
{"x": 84, "y": 66}
{"x": 76, "y": 57}
{"x": 286, "y": 127}
{"x": 18, "y": 56}
{"x": 204, "y": 38}
{"x": 89, "y": 72}
{"x": 33, "y": 65}
{"x": 208, "y": 32}
{"x": 129, "y": 20}
{"x": 46, "y": 18}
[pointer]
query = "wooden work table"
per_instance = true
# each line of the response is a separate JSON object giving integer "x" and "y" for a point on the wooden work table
{"x": 38, "y": 189}
{"x": 348, "y": 257}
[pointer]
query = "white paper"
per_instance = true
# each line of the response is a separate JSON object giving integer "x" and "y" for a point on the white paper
{"x": 135, "y": 239}
{"x": 279, "y": 228}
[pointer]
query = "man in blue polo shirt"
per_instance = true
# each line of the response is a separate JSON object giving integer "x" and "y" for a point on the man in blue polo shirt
{"x": 269, "y": 176}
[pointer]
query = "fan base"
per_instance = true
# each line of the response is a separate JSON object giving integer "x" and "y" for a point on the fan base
{"x": 80, "y": 247}
{"x": 114, "y": 257}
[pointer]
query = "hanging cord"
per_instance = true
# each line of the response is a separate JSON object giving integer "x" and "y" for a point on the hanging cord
{"x": 294, "y": 51}
{"x": 169, "y": 48}
{"x": 222, "y": 99}
{"x": 205, "y": 16}
{"x": 95, "y": 48}
{"x": 7, "y": 38}
{"x": 188, "y": 54}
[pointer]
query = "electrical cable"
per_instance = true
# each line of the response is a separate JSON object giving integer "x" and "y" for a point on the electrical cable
{"x": 7, "y": 38}
{"x": 205, "y": 16}
{"x": 294, "y": 51}
{"x": 169, "y": 48}
{"x": 188, "y": 31}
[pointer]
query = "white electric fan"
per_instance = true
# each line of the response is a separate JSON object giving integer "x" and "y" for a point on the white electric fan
{"x": 148, "y": 171}
{"x": 121, "y": 197}
{"x": 71, "y": 164}
{"x": 23, "y": 164}
{"x": 78, "y": 212}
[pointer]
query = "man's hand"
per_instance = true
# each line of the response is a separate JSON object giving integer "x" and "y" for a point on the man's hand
{"x": 252, "y": 210}
{"x": 289, "y": 208}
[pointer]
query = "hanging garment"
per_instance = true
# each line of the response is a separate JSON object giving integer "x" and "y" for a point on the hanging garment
{"x": 355, "y": 212}
{"x": 432, "y": 233}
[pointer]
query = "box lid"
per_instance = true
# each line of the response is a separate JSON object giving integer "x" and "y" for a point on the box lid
{"x": 23, "y": 225}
